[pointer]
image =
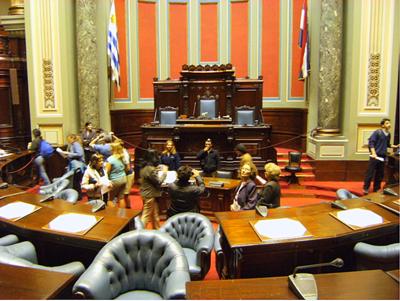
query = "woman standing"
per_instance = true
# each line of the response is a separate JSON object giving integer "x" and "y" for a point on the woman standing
{"x": 38, "y": 145}
{"x": 95, "y": 180}
{"x": 150, "y": 187}
{"x": 170, "y": 157}
{"x": 74, "y": 153}
{"x": 246, "y": 192}
{"x": 116, "y": 170}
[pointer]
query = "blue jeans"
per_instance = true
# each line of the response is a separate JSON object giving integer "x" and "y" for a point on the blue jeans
{"x": 39, "y": 162}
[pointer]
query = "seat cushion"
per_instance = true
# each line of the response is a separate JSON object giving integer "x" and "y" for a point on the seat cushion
{"x": 139, "y": 295}
{"x": 191, "y": 255}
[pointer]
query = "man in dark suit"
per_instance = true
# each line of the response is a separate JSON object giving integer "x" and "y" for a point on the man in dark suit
{"x": 209, "y": 159}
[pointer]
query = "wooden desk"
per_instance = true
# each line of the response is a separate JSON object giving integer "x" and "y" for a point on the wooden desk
{"x": 33, "y": 284}
{"x": 247, "y": 256}
{"x": 14, "y": 162}
{"x": 51, "y": 244}
{"x": 361, "y": 285}
{"x": 189, "y": 140}
{"x": 218, "y": 199}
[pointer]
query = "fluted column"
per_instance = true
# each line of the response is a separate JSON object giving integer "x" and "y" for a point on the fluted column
{"x": 330, "y": 66}
{"x": 87, "y": 61}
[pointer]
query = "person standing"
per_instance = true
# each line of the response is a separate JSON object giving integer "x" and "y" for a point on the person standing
{"x": 184, "y": 196}
{"x": 150, "y": 187}
{"x": 42, "y": 149}
{"x": 378, "y": 143}
{"x": 209, "y": 159}
{"x": 170, "y": 156}
{"x": 87, "y": 135}
{"x": 270, "y": 196}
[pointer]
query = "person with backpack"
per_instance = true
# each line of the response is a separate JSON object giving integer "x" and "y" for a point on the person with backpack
{"x": 43, "y": 151}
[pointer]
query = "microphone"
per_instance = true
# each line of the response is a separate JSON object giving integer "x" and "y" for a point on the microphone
{"x": 48, "y": 198}
{"x": 194, "y": 108}
{"x": 304, "y": 285}
{"x": 262, "y": 117}
{"x": 154, "y": 122}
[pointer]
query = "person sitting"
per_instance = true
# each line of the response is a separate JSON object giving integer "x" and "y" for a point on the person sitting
{"x": 184, "y": 196}
{"x": 209, "y": 159}
{"x": 116, "y": 170}
{"x": 95, "y": 179}
{"x": 39, "y": 161}
{"x": 246, "y": 192}
{"x": 170, "y": 157}
{"x": 271, "y": 193}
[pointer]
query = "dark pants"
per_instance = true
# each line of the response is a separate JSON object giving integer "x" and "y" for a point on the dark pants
{"x": 376, "y": 170}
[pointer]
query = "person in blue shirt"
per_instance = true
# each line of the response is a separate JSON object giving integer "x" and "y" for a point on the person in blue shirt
{"x": 102, "y": 144}
{"x": 378, "y": 144}
{"x": 170, "y": 157}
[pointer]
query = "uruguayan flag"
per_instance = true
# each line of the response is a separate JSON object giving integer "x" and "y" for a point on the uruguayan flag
{"x": 113, "y": 51}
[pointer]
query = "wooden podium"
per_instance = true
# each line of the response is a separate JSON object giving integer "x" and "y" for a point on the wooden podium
{"x": 218, "y": 83}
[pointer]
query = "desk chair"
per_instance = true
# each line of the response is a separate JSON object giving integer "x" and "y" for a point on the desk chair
{"x": 370, "y": 257}
{"x": 194, "y": 232}
{"x": 8, "y": 240}
{"x": 344, "y": 194}
{"x": 54, "y": 187}
{"x": 70, "y": 195}
{"x": 24, "y": 254}
{"x": 219, "y": 253}
{"x": 209, "y": 106}
{"x": 136, "y": 265}
{"x": 294, "y": 166}
{"x": 245, "y": 115}
{"x": 168, "y": 115}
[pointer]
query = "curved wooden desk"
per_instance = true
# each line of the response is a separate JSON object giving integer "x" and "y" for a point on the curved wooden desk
{"x": 14, "y": 162}
{"x": 61, "y": 247}
{"x": 247, "y": 256}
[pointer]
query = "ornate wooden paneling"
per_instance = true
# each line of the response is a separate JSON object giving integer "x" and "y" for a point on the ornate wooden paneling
{"x": 14, "y": 100}
{"x": 126, "y": 124}
{"x": 289, "y": 127}
{"x": 335, "y": 170}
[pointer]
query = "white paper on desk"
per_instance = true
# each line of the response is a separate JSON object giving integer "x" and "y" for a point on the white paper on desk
{"x": 171, "y": 176}
{"x": 16, "y": 210}
{"x": 280, "y": 228}
{"x": 72, "y": 222}
{"x": 105, "y": 185}
{"x": 359, "y": 217}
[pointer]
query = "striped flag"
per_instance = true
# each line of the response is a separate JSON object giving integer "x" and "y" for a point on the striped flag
{"x": 304, "y": 44}
{"x": 113, "y": 50}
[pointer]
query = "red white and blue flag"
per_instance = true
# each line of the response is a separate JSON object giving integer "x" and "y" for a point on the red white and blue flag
{"x": 304, "y": 44}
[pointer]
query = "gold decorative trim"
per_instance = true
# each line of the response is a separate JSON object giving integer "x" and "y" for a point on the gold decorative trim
{"x": 48, "y": 86}
{"x": 373, "y": 80}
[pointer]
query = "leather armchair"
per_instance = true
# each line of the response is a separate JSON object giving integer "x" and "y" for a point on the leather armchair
{"x": 224, "y": 174}
{"x": 294, "y": 166}
{"x": 70, "y": 195}
{"x": 55, "y": 187}
{"x": 219, "y": 253}
{"x": 140, "y": 264}
{"x": 138, "y": 223}
{"x": 69, "y": 175}
{"x": 194, "y": 232}
{"x": 24, "y": 254}
{"x": 8, "y": 240}
{"x": 377, "y": 257}
{"x": 344, "y": 194}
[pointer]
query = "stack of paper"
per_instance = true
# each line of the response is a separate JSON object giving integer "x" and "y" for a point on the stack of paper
{"x": 281, "y": 228}
{"x": 73, "y": 223}
{"x": 17, "y": 210}
{"x": 358, "y": 218}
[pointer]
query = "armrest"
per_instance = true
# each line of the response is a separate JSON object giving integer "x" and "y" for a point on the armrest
{"x": 94, "y": 283}
{"x": 175, "y": 285}
{"x": 389, "y": 253}
{"x": 8, "y": 240}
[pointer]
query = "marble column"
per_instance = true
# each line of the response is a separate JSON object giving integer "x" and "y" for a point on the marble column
{"x": 330, "y": 66}
{"x": 86, "y": 43}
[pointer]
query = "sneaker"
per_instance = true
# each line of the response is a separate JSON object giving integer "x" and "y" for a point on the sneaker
{"x": 366, "y": 192}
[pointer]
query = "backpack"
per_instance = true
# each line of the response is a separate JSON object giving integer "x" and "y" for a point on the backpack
{"x": 45, "y": 149}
